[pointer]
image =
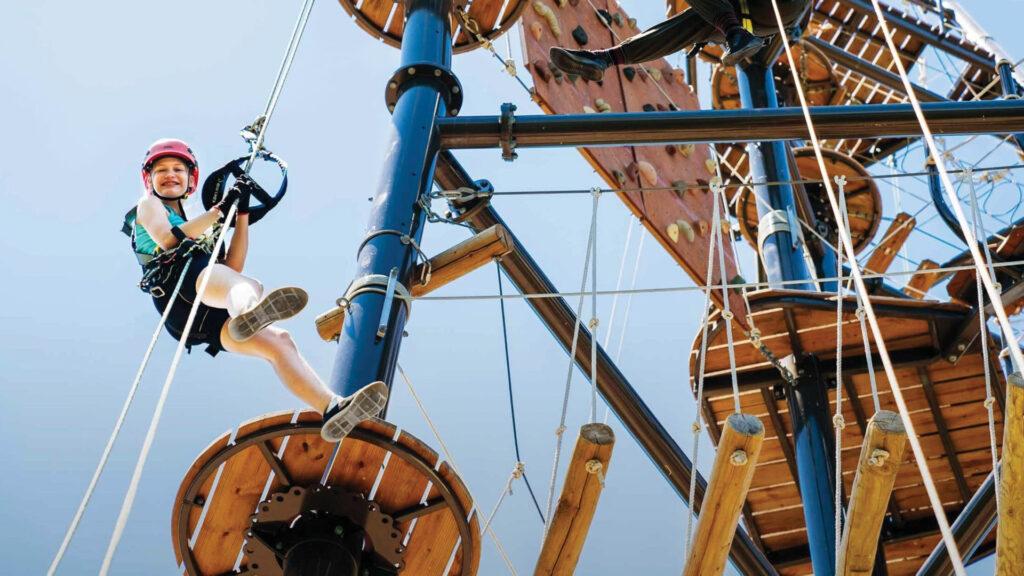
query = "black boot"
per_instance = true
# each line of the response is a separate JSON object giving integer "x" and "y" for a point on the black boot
{"x": 740, "y": 45}
{"x": 586, "y": 63}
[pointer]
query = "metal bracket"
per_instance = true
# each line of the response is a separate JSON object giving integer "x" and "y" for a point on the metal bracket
{"x": 389, "y": 298}
{"x": 425, "y": 73}
{"x": 771, "y": 223}
{"x": 508, "y": 141}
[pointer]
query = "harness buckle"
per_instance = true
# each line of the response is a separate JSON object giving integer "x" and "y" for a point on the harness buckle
{"x": 157, "y": 292}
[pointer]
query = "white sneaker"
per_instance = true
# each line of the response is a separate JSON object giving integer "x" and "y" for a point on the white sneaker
{"x": 345, "y": 413}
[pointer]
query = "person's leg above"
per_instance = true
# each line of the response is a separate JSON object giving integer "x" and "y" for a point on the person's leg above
{"x": 740, "y": 44}
{"x": 276, "y": 346}
{"x": 662, "y": 39}
{"x": 240, "y": 296}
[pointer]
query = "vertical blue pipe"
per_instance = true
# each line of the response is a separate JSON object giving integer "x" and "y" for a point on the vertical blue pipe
{"x": 407, "y": 174}
{"x": 808, "y": 399}
{"x": 1010, "y": 91}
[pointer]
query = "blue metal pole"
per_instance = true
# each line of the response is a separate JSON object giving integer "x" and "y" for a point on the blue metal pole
{"x": 783, "y": 261}
{"x": 366, "y": 353}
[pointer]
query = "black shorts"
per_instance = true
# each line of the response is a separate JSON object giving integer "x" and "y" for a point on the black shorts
{"x": 209, "y": 321}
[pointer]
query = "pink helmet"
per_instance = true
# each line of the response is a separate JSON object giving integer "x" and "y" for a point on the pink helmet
{"x": 171, "y": 147}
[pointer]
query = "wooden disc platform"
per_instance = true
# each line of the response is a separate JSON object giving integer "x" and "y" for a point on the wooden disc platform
{"x": 817, "y": 77}
{"x": 1007, "y": 245}
{"x": 391, "y": 469}
{"x": 946, "y": 401}
{"x": 863, "y": 201}
{"x": 385, "y": 19}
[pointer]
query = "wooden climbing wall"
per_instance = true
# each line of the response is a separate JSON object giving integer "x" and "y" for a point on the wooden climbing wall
{"x": 656, "y": 181}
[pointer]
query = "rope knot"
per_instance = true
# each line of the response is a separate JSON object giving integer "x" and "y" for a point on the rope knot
{"x": 739, "y": 458}
{"x": 594, "y": 322}
{"x": 596, "y": 191}
{"x": 860, "y": 313}
{"x": 695, "y": 427}
{"x": 989, "y": 402}
{"x": 594, "y": 466}
{"x": 560, "y": 430}
{"x": 839, "y": 422}
{"x": 878, "y": 458}
{"x": 519, "y": 470}
{"x": 727, "y": 314}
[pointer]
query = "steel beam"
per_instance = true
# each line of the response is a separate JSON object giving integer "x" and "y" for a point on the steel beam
{"x": 729, "y": 126}
{"x": 366, "y": 353}
{"x": 623, "y": 399}
{"x": 971, "y": 528}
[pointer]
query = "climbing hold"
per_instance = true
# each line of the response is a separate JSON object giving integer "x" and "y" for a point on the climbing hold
{"x": 703, "y": 227}
{"x": 617, "y": 18}
{"x": 649, "y": 108}
{"x": 573, "y": 77}
{"x": 686, "y": 149}
{"x": 655, "y": 73}
{"x": 619, "y": 177}
{"x": 537, "y": 29}
{"x": 580, "y": 36}
{"x": 541, "y": 69}
{"x": 632, "y": 23}
{"x": 602, "y": 105}
{"x": 545, "y": 12}
{"x": 679, "y": 76}
{"x": 687, "y": 229}
{"x": 661, "y": 107}
{"x": 671, "y": 149}
{"x": 606, "y": 16}
{"x": 679, "y": 186}
{"x": 556, "y": 72}
{"x": 648, "y": 175}
{"x": 589, "y": 110}
{"x": 629, "y": 72}
{"x": 710, "y": 165}
{"x": 673, "y": 232}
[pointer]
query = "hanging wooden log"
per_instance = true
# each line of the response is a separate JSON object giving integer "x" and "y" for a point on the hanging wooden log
{"x": 738, "y": 451}
{"x": 892, "y": 241}
{"x": 922, "y": 280}
{"x": 880, "y": 456}
{"x": 584, "y": 481}
{"x": 1010, "y": 537}
{"x": 446, "y": 267}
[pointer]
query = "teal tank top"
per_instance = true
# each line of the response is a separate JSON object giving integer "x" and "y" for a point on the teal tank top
{"x": 144, "y": 243}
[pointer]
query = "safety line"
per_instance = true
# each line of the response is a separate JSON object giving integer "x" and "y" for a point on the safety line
{"x": 448, "y": 457}
{"x": 511, "y": 400}
{"x": 737, "y": 286}
{"x": 738, "y": 184}
{"x": 594, "y": 321}
{"x": 129, "y": 501}
{"x": 73, "y": 528}
{"x": 897, "y": 393}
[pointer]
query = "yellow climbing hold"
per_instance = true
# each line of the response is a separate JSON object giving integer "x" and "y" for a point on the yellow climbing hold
{"x": 545, "y": 12}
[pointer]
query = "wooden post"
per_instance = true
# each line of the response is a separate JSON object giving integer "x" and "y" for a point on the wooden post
{"x": 446, "y": 267}
{"x": 584, "y": 481}
{"x": 893, "y": 240}
{"x": 738, "y": 451}
{"x": 923, "y": 280}
{"x": 880, "y": 456}
{"x": 1010, "y": 537}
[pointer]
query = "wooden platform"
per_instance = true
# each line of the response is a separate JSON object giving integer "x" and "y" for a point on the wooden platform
{"x": 385, "y": 19}
{"x": 945, "y": 400}
{"x": 248, "y": 465}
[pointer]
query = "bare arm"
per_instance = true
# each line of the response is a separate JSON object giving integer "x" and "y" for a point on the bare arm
{"x": 239, "y": 244}
{"x": 153, "y": 217}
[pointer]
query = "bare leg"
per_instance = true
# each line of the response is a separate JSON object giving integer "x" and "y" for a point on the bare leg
{"x": 229, "y": 290}
{"x": 276, "y": 346}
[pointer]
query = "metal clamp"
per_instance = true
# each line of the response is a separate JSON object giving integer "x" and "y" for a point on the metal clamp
{"x": 389, "y": 298}
{"x": 408, "y": 241}
{"x": 508, "y": 141}
{"x": 771, "y": 223}
{"x": 439, "y": 77}
{"x": 375, "y": 284}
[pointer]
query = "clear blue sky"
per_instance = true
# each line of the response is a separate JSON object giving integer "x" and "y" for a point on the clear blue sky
{"x": 86, "y": 86}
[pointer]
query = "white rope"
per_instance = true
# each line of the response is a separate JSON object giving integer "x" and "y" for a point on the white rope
{"x": 698, "y": 423}
{"x": 718, "y": 195}
{"x": 946, "y": 270}
{"x": 594, "y": 321}
{"x": 73, "y": 528}
{"x": 897, "y": 393}
{"x": 560, "y": 431}
{"x": 133, "y": 486}
{"x": 629, "y": 306}
{"x": 451, "y": 461}
{"x": 983, "y": 333}
{"x": 838, "y": 420}
{"x": 618, "y": 282}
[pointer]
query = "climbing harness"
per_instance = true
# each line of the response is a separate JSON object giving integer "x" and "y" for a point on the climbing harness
{"x": 215, "y": 186}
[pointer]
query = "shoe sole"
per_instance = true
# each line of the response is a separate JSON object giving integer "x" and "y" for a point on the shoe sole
{"x": 280, "y": 304}
{"x": 733, "y": 59}
{"x": 567, "y": 64}
{"x": 364, "y": 405}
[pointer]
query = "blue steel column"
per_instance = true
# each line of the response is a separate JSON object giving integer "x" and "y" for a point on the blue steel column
{"x": 408, "y": 172}
{"x": 808, "y": 399}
